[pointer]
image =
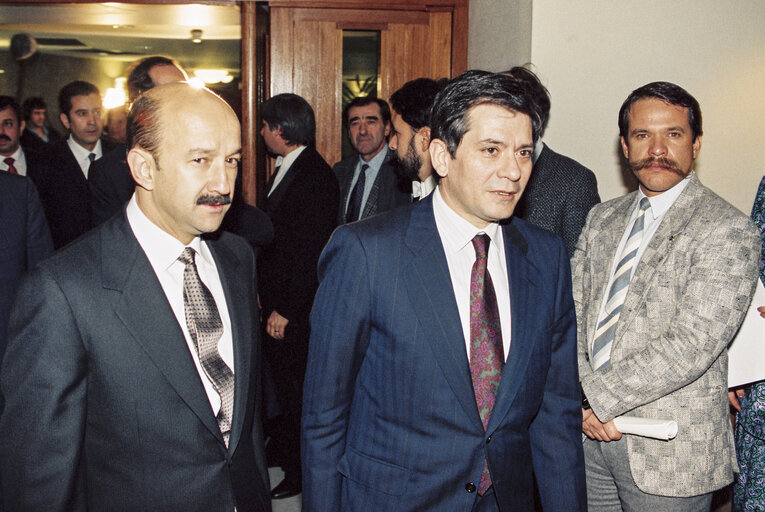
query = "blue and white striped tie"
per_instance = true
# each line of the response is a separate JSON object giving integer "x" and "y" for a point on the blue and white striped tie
{"x": 604, "y": 335}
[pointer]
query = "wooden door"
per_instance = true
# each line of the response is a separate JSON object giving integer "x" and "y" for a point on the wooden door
{"x": 306, "y": 54}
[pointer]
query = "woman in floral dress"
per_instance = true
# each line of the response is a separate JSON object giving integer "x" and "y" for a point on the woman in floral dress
{"x": 749, "y": 491}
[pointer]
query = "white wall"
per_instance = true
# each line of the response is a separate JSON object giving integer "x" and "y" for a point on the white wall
{"x": 592, "y": 53}
{"x": 499, "y": 34}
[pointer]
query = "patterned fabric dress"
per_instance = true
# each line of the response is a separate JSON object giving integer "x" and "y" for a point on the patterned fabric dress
{"x": 749, "y": 491}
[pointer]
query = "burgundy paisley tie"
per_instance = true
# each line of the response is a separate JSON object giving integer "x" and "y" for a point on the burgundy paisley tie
{"x": 486, "y": 355}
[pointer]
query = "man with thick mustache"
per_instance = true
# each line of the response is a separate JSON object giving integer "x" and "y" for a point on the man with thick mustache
{"x": 682, "y": 264}
{"x": 132, "y": 375}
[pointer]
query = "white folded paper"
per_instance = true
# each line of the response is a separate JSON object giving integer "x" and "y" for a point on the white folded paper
{"x": 746, "y": 353}
{"x": 646, "y": 427}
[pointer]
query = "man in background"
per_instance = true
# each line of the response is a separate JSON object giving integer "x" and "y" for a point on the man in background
{"x": 561, "y": 191}
{"x": 37, "y": 135}
{"x": 13, "y": 157}
{"x": 63, "y": 185}
{"x": 368, "y": 182}
{"x": 301, "y": 201}
{"x": 410, "y": 136}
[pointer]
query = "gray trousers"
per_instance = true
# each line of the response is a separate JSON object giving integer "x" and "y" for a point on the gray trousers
{"x": 611, "y": 488}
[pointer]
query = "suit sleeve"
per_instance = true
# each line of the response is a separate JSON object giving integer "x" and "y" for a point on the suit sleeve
{"x": 340, "y": 328}
{"x": 39, "y": 241}
{"x": 556, "y": 430}
{"x": 44, "y": 382}
{"x": 580, "y": 199}
{"x": 708, "y": 311}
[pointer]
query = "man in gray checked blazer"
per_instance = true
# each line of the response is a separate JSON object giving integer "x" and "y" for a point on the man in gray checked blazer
{"x": 662, "y": 277}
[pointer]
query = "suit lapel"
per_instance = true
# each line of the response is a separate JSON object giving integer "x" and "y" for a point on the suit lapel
{"x": 147, "y": 315}
{"x": 674, "y": 222}
{"x": 235, "y": 286}
{"x": 272, "y": 201}
{"x": 432, "y": 296}
{"x": 371, "y": 206}
{"x": 523, "y": 294}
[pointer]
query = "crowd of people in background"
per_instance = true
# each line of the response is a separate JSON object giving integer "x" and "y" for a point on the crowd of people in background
{"x": 448, "y": 319}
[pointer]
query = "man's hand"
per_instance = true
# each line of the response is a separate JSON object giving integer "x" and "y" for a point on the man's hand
{"x": 734, "y": 395}
{"x": 761, "y": 309}
{"x": 276, "y": 325}
{"x": 594, "y": 429}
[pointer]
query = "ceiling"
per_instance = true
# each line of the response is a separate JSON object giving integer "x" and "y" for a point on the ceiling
{"x": 126, "y": 32}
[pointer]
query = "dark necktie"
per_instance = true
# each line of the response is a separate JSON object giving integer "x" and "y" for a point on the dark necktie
{"x": 9, "y": 162}
{"x": 92, "y": 157}
{"x": 357, "y": 194}
{"x": 205, "y": 329}
{"x": 486, "y": 353}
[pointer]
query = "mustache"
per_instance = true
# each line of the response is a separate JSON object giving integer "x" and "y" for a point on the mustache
{"x": 662, "y": 161}
{"x": 214, "y": 199}
{"x": 5, "y": 137}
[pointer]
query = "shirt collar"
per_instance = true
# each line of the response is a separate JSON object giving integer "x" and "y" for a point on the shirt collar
{"x": 461, "y": 232}
{"x": 662, "y": 202}
{"x": 161, "y": 248}
{"x": 286, "y": 161}
{"x": 377, "y": 161}
{"x": 80, "y": 153}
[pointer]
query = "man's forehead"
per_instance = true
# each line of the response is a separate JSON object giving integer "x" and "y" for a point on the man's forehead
{"x": 371, "y": 111}
{"x": 92, "y": 99}
{"x": 7, "y": 112}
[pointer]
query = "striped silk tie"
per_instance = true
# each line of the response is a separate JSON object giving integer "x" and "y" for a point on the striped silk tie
{"x": 604, "y": 335}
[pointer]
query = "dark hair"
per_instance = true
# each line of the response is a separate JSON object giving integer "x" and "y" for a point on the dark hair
{"x": 143, "y": 127}
{"x": 664, "y": 91}
{"x": 449, "y": 117}
{"x": 413, "y": 101}
{"x": 72, "y": 89}
{"x": 363, "y": 101}
{"x": 538, "y": 92}
{"x": 7, "y": 101}
{"x": 33, "y": 103}
{"x": 293, "y": 115}
{"x": 138, "y": 79}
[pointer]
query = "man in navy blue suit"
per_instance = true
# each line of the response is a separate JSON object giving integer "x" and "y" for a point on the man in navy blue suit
{"x": 442, "y": 366}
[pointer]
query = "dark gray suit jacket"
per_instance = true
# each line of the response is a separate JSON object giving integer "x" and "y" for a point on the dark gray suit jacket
{"x": 386, "y": 192}
{"x": 558, "y": 196}
{"x": 105, "y": 409}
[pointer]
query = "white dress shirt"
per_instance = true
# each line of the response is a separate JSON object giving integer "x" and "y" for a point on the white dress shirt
{"x": 421, "y": 189}
{"x": 283, "y": 163}
{"x": 82, "y": 155}
{"x": 660, "y": 204}
{"x": 19, "y": 162}
{"x": 162, "y": 250}
{"x": 456, "y": 236}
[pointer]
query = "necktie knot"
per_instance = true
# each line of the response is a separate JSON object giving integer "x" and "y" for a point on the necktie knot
{"x": 481, "y": 245}
{"x": 364, "y": 168}
{"x": 187, "y": 256}
{"x": 92, "y": 157}
{"x": 645, "y": 204}
{"x": 11, "y": 168}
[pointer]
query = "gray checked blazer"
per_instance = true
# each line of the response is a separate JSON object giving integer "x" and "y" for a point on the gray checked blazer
{"x": 686, "y": 300}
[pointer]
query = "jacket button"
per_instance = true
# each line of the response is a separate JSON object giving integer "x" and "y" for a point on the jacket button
{"x": 488, "y": 440}
{"x": 470, "y": 487}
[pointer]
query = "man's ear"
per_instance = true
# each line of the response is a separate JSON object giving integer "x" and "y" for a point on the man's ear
{"x": 22, "y": 125}
{"x": 625, "y": 148}
{"x": 387, "y": 130}
{"x": 142, "y": 167}
{"x": 64, "y": 120}
{"x": 423, "y": 138}
{"x": 440, "y": 157}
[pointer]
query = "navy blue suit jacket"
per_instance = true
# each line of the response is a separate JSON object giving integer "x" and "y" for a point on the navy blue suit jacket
{"x": 390, "y": 420}
{"x": 24, "y": 240}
